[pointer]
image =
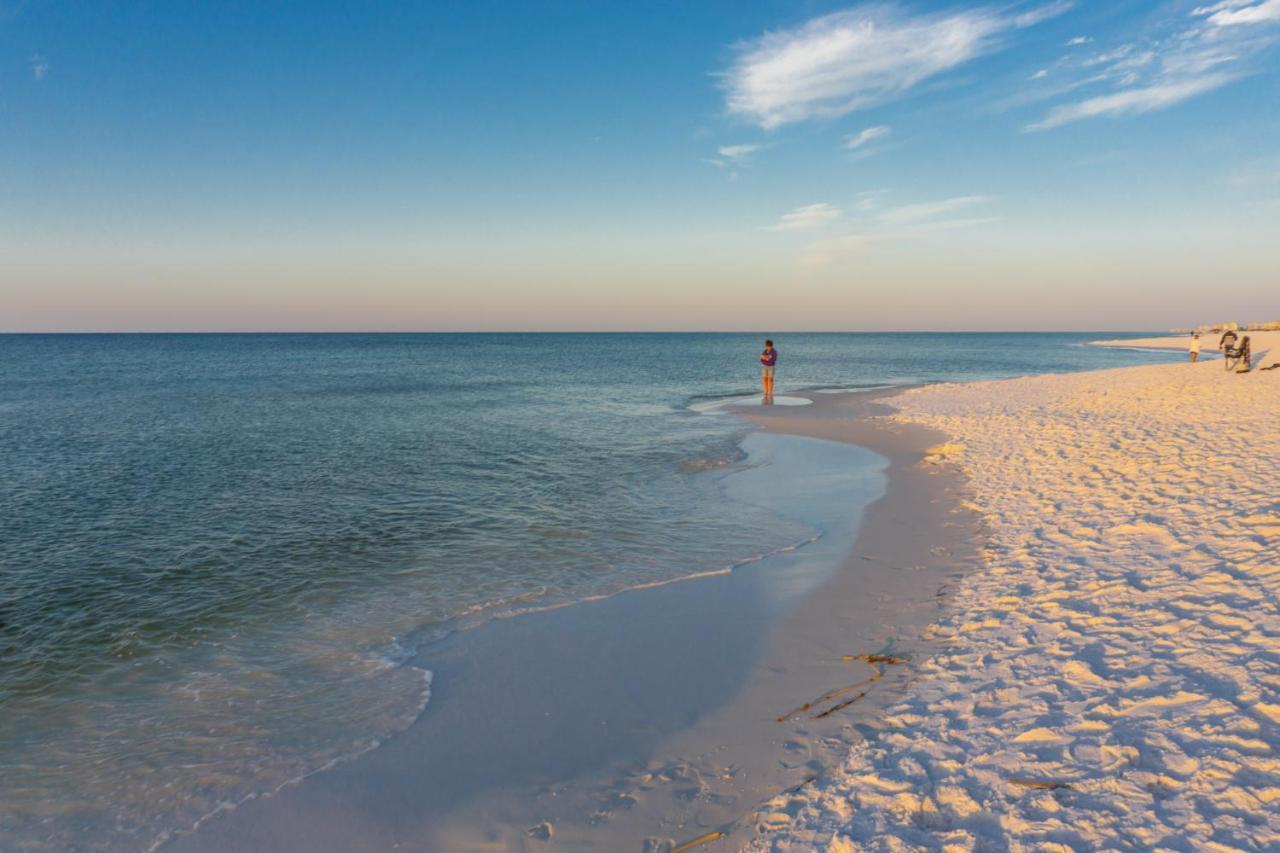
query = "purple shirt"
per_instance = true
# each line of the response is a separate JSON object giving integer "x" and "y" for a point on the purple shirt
{"x": 769, "y": 357}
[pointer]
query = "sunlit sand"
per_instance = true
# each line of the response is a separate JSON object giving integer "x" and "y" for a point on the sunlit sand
{"x": 1110, "y": 677}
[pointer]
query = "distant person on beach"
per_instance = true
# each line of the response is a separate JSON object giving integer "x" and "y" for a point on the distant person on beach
{"x": 1195, "y": 346}
{"x": 768, "y": 361}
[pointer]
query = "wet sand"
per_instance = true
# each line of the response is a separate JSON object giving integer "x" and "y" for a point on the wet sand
{"x": 664, "y": 715}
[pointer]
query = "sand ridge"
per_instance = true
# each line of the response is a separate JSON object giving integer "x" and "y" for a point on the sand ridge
{"x": 1110, "y": 679}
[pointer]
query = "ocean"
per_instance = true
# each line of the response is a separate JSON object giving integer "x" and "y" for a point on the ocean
{"x": 219, "y": 552}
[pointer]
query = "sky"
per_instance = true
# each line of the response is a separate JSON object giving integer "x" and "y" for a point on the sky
{"x": 765, "y": 166}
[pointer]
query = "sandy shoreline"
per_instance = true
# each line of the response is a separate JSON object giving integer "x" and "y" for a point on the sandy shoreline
{"x": 651, "y": 718}
{"x": 1110, "y": 678}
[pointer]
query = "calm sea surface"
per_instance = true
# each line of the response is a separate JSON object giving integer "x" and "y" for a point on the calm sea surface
{"x": 217, "y": 550}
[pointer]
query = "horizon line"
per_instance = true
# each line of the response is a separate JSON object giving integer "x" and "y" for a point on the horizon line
{"x": 1004, "y": 331}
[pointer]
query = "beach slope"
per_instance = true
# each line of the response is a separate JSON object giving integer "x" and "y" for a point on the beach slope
{"x": 1111, "y": 675}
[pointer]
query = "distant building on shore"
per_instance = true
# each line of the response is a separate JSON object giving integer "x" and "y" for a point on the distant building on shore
{"x": 1269, "y": 326}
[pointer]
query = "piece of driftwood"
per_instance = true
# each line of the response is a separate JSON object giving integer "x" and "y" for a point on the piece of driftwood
{"x": 701, "y": 839}
{"x": 879, "y": 663}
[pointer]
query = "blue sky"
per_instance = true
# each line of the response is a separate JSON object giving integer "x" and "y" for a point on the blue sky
{"x": 776, "y": 165}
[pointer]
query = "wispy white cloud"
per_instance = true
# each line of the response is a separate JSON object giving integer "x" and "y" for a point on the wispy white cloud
{"x": 1119, "y": 54}
{"x": 930, "y": 209}
{"x": 848, "y": 60}
{"x": 823, "y": 253}
{"x": 1040, "y": 75}
{"x": 1121, "y": 65}
{"x": 733, "y": 155}
{"x": 1140, "y": 100}
{"x": 866, "y": 135}
{"x": 1078, "y": 40}
{"x": 1201, "y": 11}
{"x": 39, "y": 66}
{"x": 808, "y": 216}
{"x": 1042, "y": 13}
{"x": 897, "y": 224}
{"x": 868, "y": 200}
{"x": 1178, "y": 61}
{"x": 738, "y": 153}
{"x": 1236, "y": 12}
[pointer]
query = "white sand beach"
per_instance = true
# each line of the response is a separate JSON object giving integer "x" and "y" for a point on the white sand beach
{"x": 1110, "y": 678}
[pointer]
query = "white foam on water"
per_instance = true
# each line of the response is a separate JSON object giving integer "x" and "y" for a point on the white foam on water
{"x": 394, "y": 658}
{"x": 854, "y": 390}
{"x": 775, "y": 401}
{"x": 718, "y": 406}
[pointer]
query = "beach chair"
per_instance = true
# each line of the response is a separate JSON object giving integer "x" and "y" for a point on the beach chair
{"x": 1239, "y": 358}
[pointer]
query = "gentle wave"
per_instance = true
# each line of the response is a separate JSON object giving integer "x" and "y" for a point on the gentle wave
{"x": 403, "y": 652}
{"x": 168, "y": 835}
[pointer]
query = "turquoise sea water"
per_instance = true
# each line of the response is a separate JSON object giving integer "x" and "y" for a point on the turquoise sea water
{"x": 216, "y": 549}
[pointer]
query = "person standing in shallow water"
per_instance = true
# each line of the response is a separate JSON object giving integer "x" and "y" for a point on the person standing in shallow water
{"x": 768, "y": 362}
{"x": 1195, "y": 346}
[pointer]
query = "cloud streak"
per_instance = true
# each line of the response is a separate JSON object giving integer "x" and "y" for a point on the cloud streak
{"x": 733, "y": 155}
{"x": 1238, "y": 12}
{"x": 870, "y": 134}
{"x": 809, "y": 216}
{"x": 737, "y": 153}
{"x": 930, "y": 209}
{"x": 894, "y": 225}
{"x": 1141, "y": 100}
{"x": 853, "y": 59}
{"x": 824, "y": 253}
{"x": 1209, "y": 50}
